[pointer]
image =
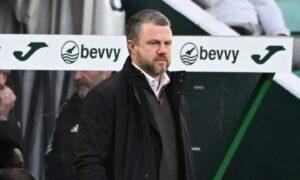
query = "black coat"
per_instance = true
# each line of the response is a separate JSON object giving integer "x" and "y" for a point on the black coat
{"x": 117, "y": 139}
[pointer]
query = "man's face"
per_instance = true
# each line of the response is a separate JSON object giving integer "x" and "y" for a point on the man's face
{"x": 86, "y": 80}
{"x": 3, "y": 77}
{"x": 152, "y": 51}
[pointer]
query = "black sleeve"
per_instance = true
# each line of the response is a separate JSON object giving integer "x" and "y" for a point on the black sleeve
{"x": 94, "y": 138}
{"x": 51, "y": 166}
{"x": 55, "y": 163}
{"x": 59, "y": 155}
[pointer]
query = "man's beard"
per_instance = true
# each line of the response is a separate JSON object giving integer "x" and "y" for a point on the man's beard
{"x": 82, "y": 89}
{"x": 151, "y": 68}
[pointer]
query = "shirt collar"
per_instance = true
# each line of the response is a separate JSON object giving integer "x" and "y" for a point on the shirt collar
{"x": 154, "y": 84}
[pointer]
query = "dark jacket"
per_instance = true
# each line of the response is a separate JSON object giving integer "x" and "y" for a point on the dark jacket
{"x": 10, "y": 138}
{"x": 59, "y": 156}
{"x": 117, "y": 138}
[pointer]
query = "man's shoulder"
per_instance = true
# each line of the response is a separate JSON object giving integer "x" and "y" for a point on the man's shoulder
{"x": 107, "y": 92}
{"x": 112, "y": 84}
{"x": 73, "y": 104}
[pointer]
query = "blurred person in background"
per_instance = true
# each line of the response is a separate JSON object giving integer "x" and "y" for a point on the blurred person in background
{"x": 248, "y": 17}
{"x": 59, "y": 155}
{"x": 10, "y": 127}
{"x": 11, "y": 141}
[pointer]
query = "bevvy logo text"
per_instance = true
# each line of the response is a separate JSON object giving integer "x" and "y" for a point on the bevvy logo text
{"x": 71, "y": 51}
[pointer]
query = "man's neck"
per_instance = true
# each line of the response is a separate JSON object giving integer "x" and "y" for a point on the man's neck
{"x": 161, "y": 80}
{"x": 157, "y": 77}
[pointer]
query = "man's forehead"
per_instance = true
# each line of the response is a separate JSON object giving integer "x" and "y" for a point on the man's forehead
{"x": 151, "y": 30}
{"x": 151, "y": 26}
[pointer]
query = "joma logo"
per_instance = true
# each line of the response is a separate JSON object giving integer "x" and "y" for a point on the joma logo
{"x": 34, "y": 46}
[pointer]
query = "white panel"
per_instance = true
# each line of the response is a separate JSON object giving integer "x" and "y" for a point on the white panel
{"x": 190, "y": 53}
{"x": 108, "y": 21}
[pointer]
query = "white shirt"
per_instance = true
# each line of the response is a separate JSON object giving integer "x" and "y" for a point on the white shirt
{"x": 155, "y": 85}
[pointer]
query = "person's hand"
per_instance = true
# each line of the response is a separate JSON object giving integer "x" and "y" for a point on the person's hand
{"x": 7, "y": 102}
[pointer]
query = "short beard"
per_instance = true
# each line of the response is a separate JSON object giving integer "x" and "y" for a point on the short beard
{"x": 81, "y": 94}
{"x": 150, "y": 68}
{"x": 82, "y": 89}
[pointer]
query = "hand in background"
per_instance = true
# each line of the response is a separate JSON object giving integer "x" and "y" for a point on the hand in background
{"x": 7, "y": 101}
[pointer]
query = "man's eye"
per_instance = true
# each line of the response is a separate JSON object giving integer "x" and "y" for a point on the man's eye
{"x": 168, "y": 43}
{"x": 153, "y": 43}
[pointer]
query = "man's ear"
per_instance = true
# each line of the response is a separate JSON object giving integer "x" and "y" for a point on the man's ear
{"x": 131, "y": 46}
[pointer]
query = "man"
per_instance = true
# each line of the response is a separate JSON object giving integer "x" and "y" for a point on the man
{"x": 11, "y": 143}
{"x": 59, "y": 155}
{"x": 134, "y": 125}
{"x": 10, "y": 127}
{"x": 7, "y": 96}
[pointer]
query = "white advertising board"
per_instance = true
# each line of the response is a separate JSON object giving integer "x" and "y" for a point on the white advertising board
{"x": 189, "y": 53}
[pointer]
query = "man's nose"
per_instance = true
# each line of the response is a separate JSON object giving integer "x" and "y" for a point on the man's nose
{"x": 77, "y": 75}
{"x": 162, "y": 49}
